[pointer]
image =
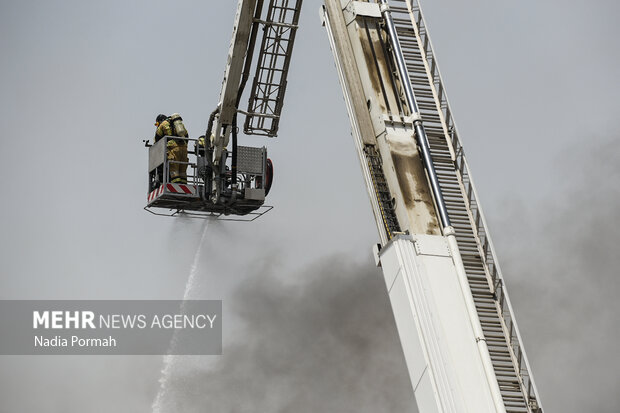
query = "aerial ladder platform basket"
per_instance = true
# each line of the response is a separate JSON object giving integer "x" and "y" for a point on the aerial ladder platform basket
{"x": 224, "y": 179}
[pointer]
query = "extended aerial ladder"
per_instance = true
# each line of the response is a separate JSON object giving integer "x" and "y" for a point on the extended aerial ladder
{"x": 234, "y": 181}
{"x": 461, "y": 342}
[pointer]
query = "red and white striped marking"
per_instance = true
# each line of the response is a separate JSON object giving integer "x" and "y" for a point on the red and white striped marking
{"x": 181, "y": 189}
{"x": 173, "y": 189}
{"x": 155, "y": 193}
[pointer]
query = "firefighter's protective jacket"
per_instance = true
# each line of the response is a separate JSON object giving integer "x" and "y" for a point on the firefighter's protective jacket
{"x": 164, "y": 129}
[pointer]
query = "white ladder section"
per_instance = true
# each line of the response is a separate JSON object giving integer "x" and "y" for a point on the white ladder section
{"x": 485, "y": 280}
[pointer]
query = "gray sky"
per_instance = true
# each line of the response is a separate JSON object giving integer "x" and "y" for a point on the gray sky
{"x": 533, "y": 86}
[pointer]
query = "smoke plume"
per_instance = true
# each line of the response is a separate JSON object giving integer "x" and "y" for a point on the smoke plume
{"x": 561, "y": 260}
{"x": 325, "y": 344}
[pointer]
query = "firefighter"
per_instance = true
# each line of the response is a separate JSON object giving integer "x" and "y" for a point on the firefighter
{"x": 201, "y": 145}
{"x": 176, "y": 148}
